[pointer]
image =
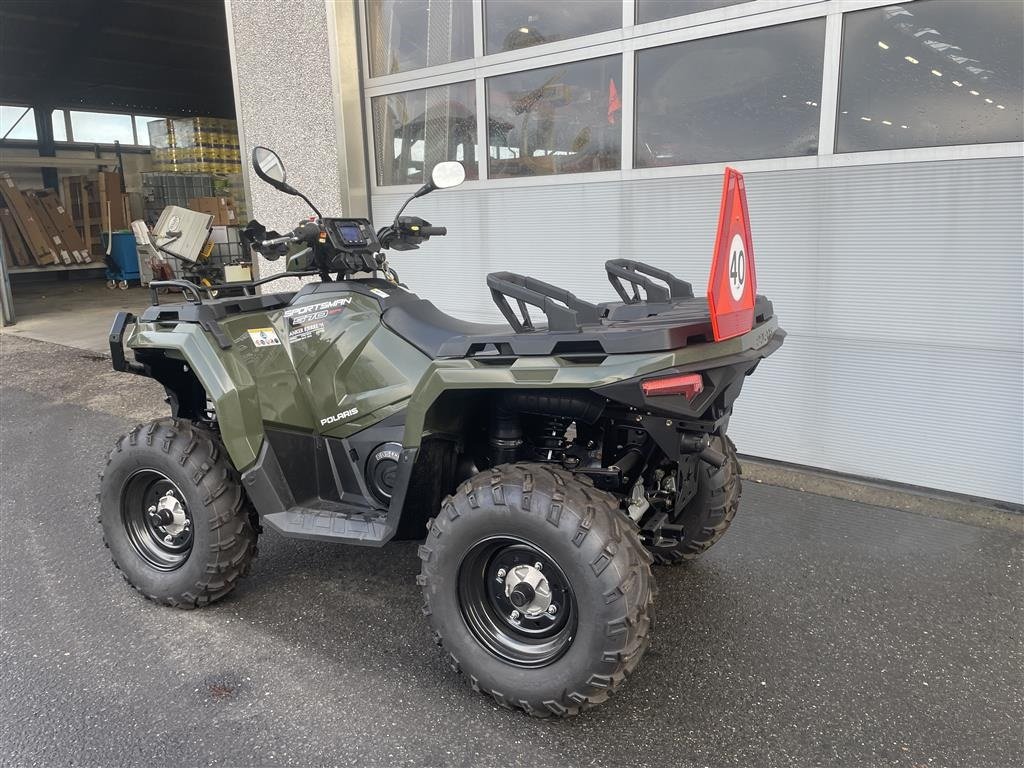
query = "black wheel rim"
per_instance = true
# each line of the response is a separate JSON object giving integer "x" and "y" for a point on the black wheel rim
{"x": 157, "y": 520}
{"x": 536, "y": 637}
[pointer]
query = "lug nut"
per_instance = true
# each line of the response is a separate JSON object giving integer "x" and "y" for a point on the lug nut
{"x": 168, "y": 539}
{"x": 538, "y": 566}
{"x": 501, "y": 574}
{"x": 514, "y": 615}
{"x": 152, "y": 509}
{"x": 552, "y": 609}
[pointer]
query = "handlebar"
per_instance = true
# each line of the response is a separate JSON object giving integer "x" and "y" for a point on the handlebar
{"x": 277, "y": 241}
{"x": 304, "y": 233}
{"x": 432, "y": 231}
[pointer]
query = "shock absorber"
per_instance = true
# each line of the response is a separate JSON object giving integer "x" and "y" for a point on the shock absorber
{"x": 549, "y": 438}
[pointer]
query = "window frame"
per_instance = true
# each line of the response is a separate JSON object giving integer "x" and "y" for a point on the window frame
{"x": 16, "y": 142}
{"x": 626, "y": 42}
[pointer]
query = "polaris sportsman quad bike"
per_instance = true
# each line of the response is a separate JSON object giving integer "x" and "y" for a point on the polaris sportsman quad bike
{"x": 545, "y": 465}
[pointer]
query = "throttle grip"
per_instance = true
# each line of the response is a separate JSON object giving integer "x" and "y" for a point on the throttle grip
{"x": 431, "y": 231}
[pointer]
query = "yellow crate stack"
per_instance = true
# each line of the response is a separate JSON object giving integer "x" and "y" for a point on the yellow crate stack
{"x": 200, "y": 145}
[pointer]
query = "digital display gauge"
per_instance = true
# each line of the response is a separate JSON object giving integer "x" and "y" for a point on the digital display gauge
{"x": 351, "y": 234}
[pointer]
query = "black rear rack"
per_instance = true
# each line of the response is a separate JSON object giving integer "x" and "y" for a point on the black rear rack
{"x": 638, "y": 275}
{"x": 567, "y": 312}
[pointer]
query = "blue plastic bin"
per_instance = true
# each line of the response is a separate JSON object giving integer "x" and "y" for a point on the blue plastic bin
{"x": 123, "y": 255}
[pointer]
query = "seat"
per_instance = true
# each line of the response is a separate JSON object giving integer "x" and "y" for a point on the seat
{"x": 436, "y": 334}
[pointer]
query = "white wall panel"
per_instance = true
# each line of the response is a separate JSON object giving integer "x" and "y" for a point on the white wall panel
{"x": 901, "y": 286}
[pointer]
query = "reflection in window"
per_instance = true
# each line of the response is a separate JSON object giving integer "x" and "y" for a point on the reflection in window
{"x": 743, "y": 96}
{"x": 415, "y": 130}
{"x": 410, "y": 34}
{"x": 931, "y": 74}
{"x": 17, "y": 123}
{"x": 561, "y": 119}
{"x": 101, "y": 128}
{"x": 60, "y": 128}
{"x": 520, "y": 24}
{"x": 655, "y": 10}
{"x": 142, "y": 129}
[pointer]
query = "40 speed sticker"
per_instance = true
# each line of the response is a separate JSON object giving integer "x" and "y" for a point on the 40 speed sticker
{"x": 264, "y": 337}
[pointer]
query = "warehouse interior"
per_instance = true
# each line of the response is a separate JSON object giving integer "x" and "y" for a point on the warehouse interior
{"x": 109, "y": 111}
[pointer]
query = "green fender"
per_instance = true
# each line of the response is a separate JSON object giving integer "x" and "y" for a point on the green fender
{"x": 540, "y": 372}
{"x": 226, "y": 380}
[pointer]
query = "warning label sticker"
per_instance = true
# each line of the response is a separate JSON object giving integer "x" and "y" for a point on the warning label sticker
{"x": 264, "y": 337}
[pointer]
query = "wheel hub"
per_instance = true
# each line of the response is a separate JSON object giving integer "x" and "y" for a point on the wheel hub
{"x": 169, "y": 515}
{"x": 528, "y": 590}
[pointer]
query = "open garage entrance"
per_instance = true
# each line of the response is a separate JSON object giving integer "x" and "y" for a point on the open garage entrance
{"x": 110, "y": 110}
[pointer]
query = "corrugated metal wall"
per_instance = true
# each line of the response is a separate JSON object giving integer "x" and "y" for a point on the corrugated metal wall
{"x": 901, "y": 287}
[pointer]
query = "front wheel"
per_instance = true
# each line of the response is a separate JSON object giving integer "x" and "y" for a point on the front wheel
{"x": 175, "y": 517}
{"x": 537, "y": 588}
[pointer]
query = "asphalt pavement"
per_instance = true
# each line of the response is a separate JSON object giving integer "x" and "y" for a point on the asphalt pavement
{"x": 820, "y": 631}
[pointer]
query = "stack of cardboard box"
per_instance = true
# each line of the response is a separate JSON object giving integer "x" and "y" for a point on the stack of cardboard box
{"x": 221, "y": 208}
{"x": 37, "y": 228}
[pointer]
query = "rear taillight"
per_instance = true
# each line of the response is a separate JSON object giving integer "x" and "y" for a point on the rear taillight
{"x": 689, "y": 385}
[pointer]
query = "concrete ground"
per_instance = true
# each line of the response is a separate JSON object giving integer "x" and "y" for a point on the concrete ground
{"x": 75, "y": 313}
{"x": 820, "y": 631}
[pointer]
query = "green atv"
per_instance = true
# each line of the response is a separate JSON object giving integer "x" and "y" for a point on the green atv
{"x": 544, "y": 466}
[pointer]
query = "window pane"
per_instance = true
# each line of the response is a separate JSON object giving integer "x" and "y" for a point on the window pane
{"x": 520, "y": 24}
{"x": 931, "y": 73}
{"x": 561, "y": 119}
{"x": 22, "y": 118}
{"x": 736, "y": 97}
{"x": 416, "y": 130}
{"x": 142, "y": 129}
{"x": 60, "y": 128}
{"x": 409, "y": 34}
{"x": 655, "y": 10}
{"x": 101, "y": 128}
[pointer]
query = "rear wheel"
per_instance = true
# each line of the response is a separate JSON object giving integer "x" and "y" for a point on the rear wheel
{"x": 537, "y": 588}
{"x": 707, "y": 516}
{"x": 174, "y": 515}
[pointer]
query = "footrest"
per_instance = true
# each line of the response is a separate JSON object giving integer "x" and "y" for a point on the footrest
{"x": 352, "y": 526}
{"x": 639, "y": 275}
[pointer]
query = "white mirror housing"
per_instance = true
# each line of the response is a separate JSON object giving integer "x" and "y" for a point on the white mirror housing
{"x": 447, "y": 174}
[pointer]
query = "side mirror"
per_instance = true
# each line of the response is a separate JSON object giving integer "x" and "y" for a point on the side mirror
{"x": 447, "y": 174}
{"x": 268, "y": 166}
{"x": 450, "y": 173}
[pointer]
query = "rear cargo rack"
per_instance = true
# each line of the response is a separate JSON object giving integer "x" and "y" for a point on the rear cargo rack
{"x": 564, "y": 311}
{"x": 638, "y": 275}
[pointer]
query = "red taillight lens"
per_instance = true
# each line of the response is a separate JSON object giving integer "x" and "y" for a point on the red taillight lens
{"x": 689, "y": 385}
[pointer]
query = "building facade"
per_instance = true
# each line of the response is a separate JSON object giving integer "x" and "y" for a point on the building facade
{"x": 881, "y": 143}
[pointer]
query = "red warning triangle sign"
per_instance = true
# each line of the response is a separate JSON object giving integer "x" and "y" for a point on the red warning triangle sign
{"x": 732, "y": 285}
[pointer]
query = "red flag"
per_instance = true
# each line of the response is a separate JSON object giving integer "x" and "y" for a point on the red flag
{"x": 614, "y": 104}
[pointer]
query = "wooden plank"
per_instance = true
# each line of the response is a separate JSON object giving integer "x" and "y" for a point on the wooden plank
{"x": 47, "y": 226}
{"x": 62, "y": 221}
{"x": 39, "y": 244}
{"x": 109, "y": 183}
{"x": 12, "y": 235}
